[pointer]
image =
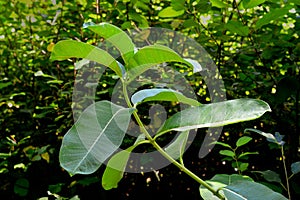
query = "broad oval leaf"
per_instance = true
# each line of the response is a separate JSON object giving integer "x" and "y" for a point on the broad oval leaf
{"x": 243, "y": 140}
{"x": 97, "y": 133}
{"x": 295, "y": 167}
{"x": 208, "y": 195}
{"x": 161, "y": 94}
{"x": 250, "y": 190}
{"x": 150, "y": 56}
{"x": 66, "y": 49}
{"x": 220, "y": 181}
{"x": 229, "y": 179}
{"x": 215, "y": 114}
{"x": 116, "y": 36}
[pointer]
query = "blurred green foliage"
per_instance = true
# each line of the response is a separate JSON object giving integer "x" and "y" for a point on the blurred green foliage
{"x": 255, "y": 45}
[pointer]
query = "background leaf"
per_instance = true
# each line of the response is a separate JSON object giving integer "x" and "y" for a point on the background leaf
{"x": 243, "y": 166}
{"x": 227, "y": 153}
{"x": 295, "y": 167}
{"x": 223, "y": 144}
{"x": 21, "y": 187}
{"x": 247, "y": 153}
{"x": 170, "y": 12}
{"x": 178, "y": 4}
{"x": 97, "y": 133}
{"x": 237, "y": 27}
{"x": 243, "y": 140}
{"x": 270, "y": 176}
{"x": 272, "y": 15}
{"x": 218, "y": 3}
{"x": 252, "y": 3}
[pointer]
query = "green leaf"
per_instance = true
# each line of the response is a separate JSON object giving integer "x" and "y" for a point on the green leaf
{"x": 112, "y": 175}
{"x": 4, "y": 85}
{"x": 270, "y": 176}
{"x": 270, "y": 137}
{"x": 220, "y": 181}
{"x": 237, "y": 27}
{"x": 150, "y": 56}
{"x": 229, "y": 179}
{"x": 176, "y": 149}
{"x": 295, "y": 2}
{"x": 116, "y": 166}
{"x": 178, "y": 4}
{"x": 295, "y": 167}
{"x": 252, "y": 3}
{"x": 247, "y": 153}
{"x": 215, "y": 115}
{"x": 249, "y": 190}
{"x": 5, "y": 155}
{"x": 73, "y": 49}
{"x": 223, "y": 144}
{"x": 82, "y": 2}
{"x": 170, "y": 12}
{"x": 243, "y": 140}
{"x": 218, "y": 3}
{"x": 116, "y": 36}
{"x": 21, "y": 187}
{"x": 161, "y": 94}
{"x": 94, "y": 137}
{"x": 137, "y": 17}
{"x": 243, "y": 166}
{"x": 272, "y": 15}
{"x": 228, "y": 153}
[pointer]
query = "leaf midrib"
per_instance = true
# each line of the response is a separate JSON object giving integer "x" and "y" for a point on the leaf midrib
{"x": 96, "y": 140}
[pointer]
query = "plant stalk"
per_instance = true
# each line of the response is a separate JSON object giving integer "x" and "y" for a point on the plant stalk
{"x": 285, "y": 172}
{"x": 164, "y": 153}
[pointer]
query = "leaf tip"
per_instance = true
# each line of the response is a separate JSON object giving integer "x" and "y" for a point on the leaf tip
{"x": 107, "y": 186}
{"x": 87, "y": 24}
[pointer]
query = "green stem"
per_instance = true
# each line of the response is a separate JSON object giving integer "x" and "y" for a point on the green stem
{"x": 236, "y": 161}
{"x": 285, "y": 172}
{"x": 164, "y": 153}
